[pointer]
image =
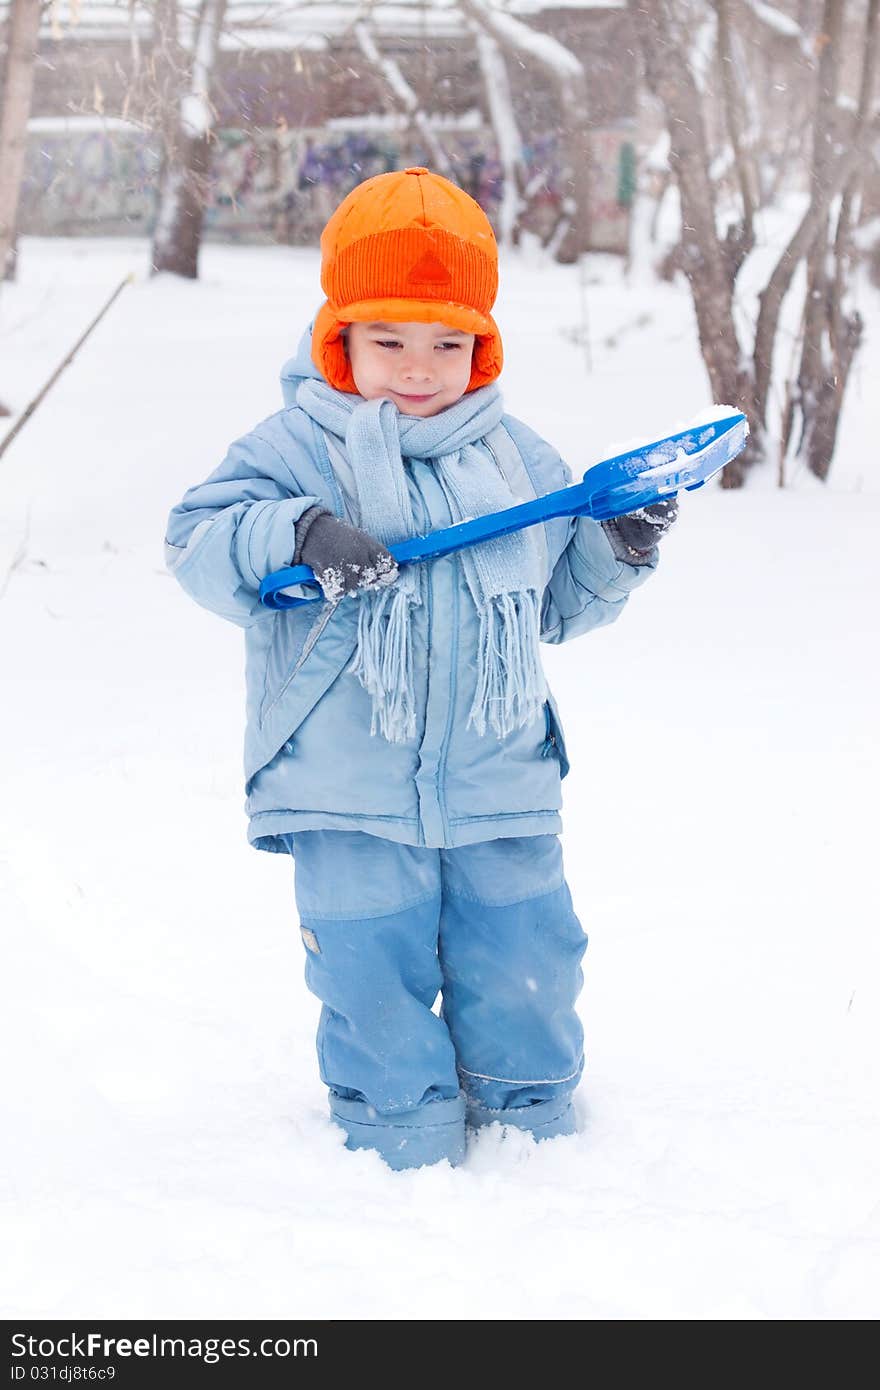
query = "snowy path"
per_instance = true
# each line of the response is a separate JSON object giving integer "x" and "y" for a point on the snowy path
{"x": 166, "y": 1148}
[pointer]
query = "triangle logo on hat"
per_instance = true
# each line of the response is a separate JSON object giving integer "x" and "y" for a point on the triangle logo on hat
{"x": 430, "y": 270}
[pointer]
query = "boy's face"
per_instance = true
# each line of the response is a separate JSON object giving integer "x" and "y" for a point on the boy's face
{"x": 421, "y": 367}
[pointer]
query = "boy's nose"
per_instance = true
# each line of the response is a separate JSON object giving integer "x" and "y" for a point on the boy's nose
{"x": 416, "y": 369}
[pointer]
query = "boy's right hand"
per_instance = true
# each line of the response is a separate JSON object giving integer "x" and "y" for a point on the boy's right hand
{"x": 344, "y": 558}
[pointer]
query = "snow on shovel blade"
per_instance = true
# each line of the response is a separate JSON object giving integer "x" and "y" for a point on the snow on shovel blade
{"x": 685, "y": 460}
{"x": 617, "y": 485}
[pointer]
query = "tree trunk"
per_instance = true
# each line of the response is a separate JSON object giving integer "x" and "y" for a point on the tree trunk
{"x": 706, "y": 261}
{"x": 733, "y": 120}
{"x": 573, "y": 101}
{"x": 187, "y": 139}
{"x": 24, "y": 30}
{"x": 821, "y": 431}
{"x": 831, "y": 336}
{"x": 815, "y": 366}
{"x": 177, "y": 236}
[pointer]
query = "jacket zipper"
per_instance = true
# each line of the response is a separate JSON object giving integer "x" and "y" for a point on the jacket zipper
{"x": 447, "y": 733}
{"x": 549, "y": 736}
{"x": 443, "y": 753}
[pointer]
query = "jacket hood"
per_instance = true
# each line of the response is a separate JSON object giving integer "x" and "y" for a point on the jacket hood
{"x": 297, "y": 368}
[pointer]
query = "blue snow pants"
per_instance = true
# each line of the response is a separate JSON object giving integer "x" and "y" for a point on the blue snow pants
{"x": 490, "y": 928}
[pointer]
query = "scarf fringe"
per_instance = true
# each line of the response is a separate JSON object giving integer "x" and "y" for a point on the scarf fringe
{"x": 510, "y": 681}
{"x": 503, "y": 575}
{"x": 384, "y": 662}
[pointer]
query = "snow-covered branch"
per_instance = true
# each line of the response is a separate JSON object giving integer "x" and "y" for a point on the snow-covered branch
{"x": 401, "y": 92}
{"x": 774, "y": 19}
{"x": 500, "y": 103}
{"x": 569, "y": 79}
{"x": 513, "y": 33}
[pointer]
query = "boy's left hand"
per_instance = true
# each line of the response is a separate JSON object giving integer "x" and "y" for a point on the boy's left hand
{"x": 634, "y": 535}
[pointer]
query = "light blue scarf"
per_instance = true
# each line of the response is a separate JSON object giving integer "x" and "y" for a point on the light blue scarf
{"x": 503, "y": 575}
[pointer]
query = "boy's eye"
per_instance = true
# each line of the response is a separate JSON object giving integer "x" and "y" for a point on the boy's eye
{"x": 396, "y": 343}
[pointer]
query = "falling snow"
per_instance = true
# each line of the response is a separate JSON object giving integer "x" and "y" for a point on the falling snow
{"x": 167, "y": 1150}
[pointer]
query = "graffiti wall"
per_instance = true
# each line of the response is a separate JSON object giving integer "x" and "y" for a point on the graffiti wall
{"x": 281, "y": 186}
{"x": 89, "y": 180}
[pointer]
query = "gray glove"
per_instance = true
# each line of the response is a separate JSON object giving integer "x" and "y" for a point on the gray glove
{"x": 343, "y": 557}
{"x": 634, "y": 535}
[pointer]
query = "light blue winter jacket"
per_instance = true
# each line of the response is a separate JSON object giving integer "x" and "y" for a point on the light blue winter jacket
{"x": 310, "y": 761}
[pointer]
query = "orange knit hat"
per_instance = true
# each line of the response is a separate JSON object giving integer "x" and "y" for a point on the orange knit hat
{"x": 407, "y": 247}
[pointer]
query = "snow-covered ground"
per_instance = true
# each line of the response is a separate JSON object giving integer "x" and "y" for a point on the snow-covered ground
{"x": 167, "y": 1151}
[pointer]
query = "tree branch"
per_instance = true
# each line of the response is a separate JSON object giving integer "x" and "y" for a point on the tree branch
{"x": 401, "y": 93}
{"x": 773, "y": 295}
{"x": 516, "y": 38}
{"x": 732, "y": 115}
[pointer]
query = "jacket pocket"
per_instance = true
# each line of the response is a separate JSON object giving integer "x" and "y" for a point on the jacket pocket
{"x": 323, "y": 655}
{"x": 295, "y": 632}
{"x": 554, "y": 739}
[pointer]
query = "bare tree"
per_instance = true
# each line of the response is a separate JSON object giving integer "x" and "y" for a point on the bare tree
{"x": 18, "y": 84}
{"x": 831, "y": 334}
{"x": 740, "y": 373}
{"x": 710, "y": 263}
{"x": 24, "y": 30}
{"x": 185, "y": 122}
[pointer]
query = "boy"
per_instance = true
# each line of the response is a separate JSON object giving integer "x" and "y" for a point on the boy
{"x": 402, "y": 743}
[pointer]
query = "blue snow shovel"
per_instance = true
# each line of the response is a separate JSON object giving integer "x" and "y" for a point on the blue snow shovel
{"x": 617, "y": 485}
